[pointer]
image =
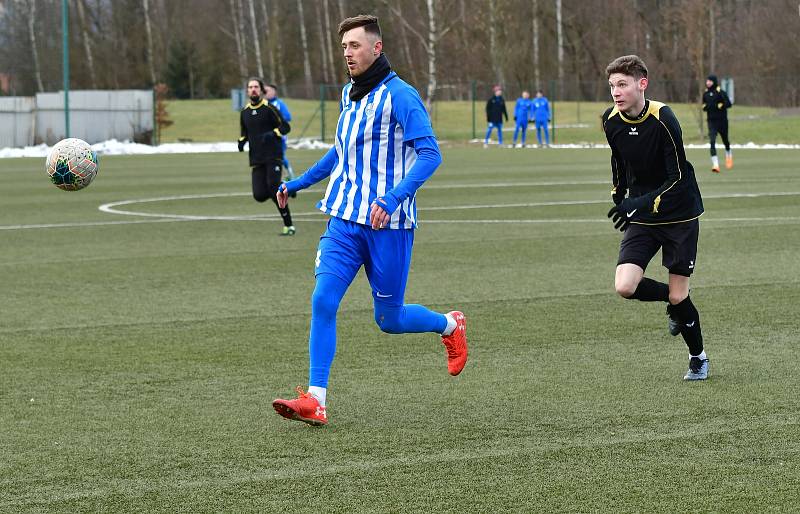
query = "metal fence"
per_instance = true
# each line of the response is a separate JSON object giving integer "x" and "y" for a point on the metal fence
{"x": 94, "y": 116}
{"x": 17, "y": 121}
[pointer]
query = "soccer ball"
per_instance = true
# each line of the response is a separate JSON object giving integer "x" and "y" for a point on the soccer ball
{"x": 72, "y": 164}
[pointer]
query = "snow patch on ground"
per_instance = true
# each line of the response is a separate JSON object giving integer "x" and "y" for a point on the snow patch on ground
{"x": 750, "y": 145}
{"x": 114, "y": 147}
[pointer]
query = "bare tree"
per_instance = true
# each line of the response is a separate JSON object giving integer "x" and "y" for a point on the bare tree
{"x": 560, "y": 37}
{"x": 434, "y": 35}
{"x": 276, "y": 26}
{"x": 32, "y": 36}
{"x": 497, "y": 67}
{"x": 270, "y": 54}
{"x": 326, "y": 41}
{"x": 712, "y": 43}
{"x": 406, "y": 50}
{"x": 237, "y": 36}
{"x": 323, "y": 38}
{"x": 691, "y": 16}
{"x": 535, "y": 18}
{"x": 87, "y": 48}
{"x": 242, "y": 36}
{"x": 304, "y": 42}
{"x": 148, "y": 32}
{"x": 256, "y": 40}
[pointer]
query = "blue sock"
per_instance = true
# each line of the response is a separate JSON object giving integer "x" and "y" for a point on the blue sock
{"x": 409, "y": 318}
{"x": 328, "y": 293}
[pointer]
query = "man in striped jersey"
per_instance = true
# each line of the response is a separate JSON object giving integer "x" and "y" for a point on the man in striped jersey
{"x": 384, "y": 151}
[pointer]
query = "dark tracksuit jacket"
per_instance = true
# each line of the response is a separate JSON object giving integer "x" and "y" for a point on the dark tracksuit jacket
{"x": 716, "y": 104}
{"x": 496, "y": 109}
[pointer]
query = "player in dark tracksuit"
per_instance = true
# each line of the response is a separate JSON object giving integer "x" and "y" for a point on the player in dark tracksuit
{"x": 263, "y": 127}
{"x": 716, "y": 104}
{"x": 495, "y": 112}
{"x": 657, "y": 203}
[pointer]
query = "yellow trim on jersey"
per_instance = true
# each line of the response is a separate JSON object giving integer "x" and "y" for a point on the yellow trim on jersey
{"x": 260, "y": 104}
{"x": 652, "y": 110}
{"x": 657, "y": 201}
{"x": 667, "y": 222}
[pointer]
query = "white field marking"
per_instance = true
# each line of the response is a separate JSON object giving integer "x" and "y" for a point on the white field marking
{"x": 594, "y": 220}
{"x": 86, "y": 224}
{"x": 163, "y": 218}
{"x": 322, "y": 218}
{"x": 111, "y": 207}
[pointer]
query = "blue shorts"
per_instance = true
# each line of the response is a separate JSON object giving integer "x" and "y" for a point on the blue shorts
{"x": 385, "y": 254}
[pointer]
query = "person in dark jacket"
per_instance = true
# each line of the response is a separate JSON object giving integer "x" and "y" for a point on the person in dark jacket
{"x": 716, "y": 104}
{"x": 657, "y": 203}
{"x": 495, "y": 112}
{"x": 263, "y": 127}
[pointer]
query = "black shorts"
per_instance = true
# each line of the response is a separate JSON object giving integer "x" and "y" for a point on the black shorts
{"x": 266, "y": 179}
{"x": 677, "y": 241}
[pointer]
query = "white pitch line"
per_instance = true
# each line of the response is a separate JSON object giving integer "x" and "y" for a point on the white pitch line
{"x": 85, "y": 224}
{"x": 322, "y": 218}
{"x": 164, "y": 218}
{"x": 593, "y": 220}
{"x": 111, "y": 207}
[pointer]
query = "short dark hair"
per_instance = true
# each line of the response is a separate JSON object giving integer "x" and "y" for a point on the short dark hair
{"x": 631, "y": 65}
{"x": 368, "y": 21}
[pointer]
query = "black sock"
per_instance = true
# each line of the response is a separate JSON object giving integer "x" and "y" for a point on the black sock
{"x": 286, "y": 215}
{"x": 689, "y": 319}
{"x": 649, "y": 290}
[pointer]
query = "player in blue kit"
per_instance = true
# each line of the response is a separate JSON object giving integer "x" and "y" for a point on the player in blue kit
{"x": 522, "y": 114}
{"x": 541, "y": 116}
{"x": 271, "y": 91}
{"x": 384, "y": 151}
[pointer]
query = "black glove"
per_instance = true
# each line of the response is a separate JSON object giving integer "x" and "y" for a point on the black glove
{"x": 241, "y": 144}
{"x": 626, "y": 211}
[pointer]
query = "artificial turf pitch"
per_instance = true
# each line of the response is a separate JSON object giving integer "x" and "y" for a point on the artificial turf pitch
{"x": 139, "y": 354}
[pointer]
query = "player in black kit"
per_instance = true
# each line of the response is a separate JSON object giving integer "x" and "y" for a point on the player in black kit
{"x": 656, "y": 203}
{"x": 263, "y": 126}
{"x": 716, "y": 104}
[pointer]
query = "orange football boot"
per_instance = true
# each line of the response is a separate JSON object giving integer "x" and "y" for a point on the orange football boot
{"x": 304, "y": 408}
{"x": 728, "y": 162}
{"x": 456, "y": 344}
{"x": 715, "y": 169}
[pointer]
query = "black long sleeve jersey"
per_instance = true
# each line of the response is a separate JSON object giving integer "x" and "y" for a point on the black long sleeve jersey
{"x": 648, "y": 160}
{"x": 262, "y": 125}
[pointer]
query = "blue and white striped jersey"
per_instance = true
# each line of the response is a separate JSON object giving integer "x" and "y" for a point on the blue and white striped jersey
{"x": 373, "y": 151}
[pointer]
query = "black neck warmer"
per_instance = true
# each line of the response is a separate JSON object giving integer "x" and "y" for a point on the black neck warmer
{"x": 367, "y": 81}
